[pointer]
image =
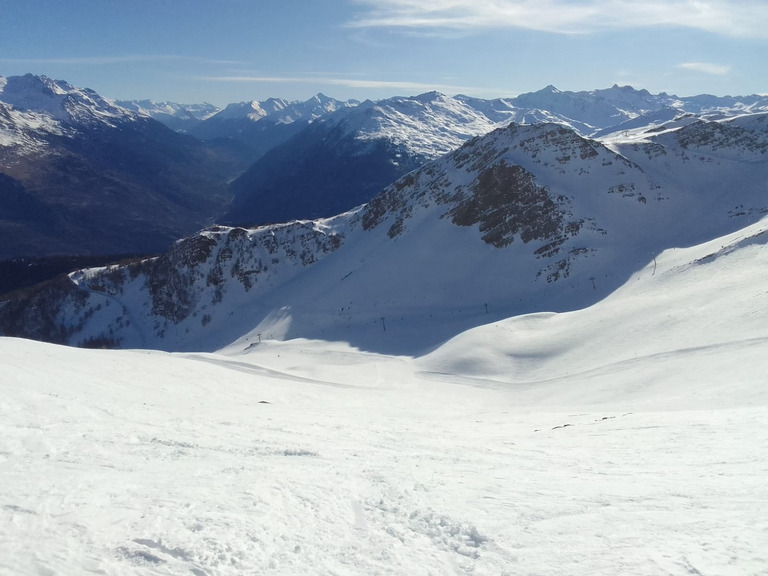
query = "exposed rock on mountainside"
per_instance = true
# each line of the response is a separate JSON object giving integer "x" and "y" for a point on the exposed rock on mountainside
{"x": 506, "y": 201}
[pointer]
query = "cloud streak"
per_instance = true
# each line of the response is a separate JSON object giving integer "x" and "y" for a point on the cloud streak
{"x": 736, "y": 18}
{"x": 706, "y": 68}
{"x": 346, "y": 82}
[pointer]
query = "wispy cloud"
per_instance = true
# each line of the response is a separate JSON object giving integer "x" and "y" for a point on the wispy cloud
{"x": 108, "y": 60}
{"x": 744, "y": 18}
{"x": 706, "y": 68}
{"x": 346, "y": 82}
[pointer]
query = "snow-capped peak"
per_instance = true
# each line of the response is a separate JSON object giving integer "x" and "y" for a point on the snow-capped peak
{"x": 320, "y": 97}
{"x": 428, "y": 125}
{"x": 250, "y": 109}
{"x": 431, "y": 96}
{"x": 58, "y": 99}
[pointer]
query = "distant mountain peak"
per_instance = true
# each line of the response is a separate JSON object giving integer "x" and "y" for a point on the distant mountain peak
{"x": 430, "y": 96}
{"x": 59, "y": 99}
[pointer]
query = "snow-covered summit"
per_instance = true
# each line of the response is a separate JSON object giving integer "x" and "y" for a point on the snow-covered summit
{"x": 59, "y": 100}
{"x": 594, "y": 110}
{"x": 311, "y": 109}
{"x": 179, "y": 117}
{"x": 252, "y": 110}
{"x": 344, "y": 158}
{"x": 35, "y": 108}
{"x": 427, "y": 125}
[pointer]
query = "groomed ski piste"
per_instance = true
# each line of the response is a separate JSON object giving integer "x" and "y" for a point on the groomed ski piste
{"x": 626, "y": 438}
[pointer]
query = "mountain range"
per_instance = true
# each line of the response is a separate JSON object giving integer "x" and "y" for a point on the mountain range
{"x": 320, "y": 157}
{"x": 82, "y": 175}
{"x": 588, "y": 112}
{"x": 345, "y": 157}
{"x": 350, "y": 150}
{"x": 527, "y": 218}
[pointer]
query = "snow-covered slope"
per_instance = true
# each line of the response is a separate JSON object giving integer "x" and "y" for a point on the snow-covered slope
{"x": 25, "y": 131}
{"x": 587, "y": 112}
{"x": 426, "y": 126}
{"x": 525, "y": 219}
{"x": 625, "y": 438}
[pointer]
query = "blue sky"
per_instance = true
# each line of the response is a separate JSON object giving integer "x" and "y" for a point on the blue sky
{"x": 233, "y": 50}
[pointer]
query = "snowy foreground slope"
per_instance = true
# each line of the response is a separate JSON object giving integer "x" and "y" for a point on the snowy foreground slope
{"x": 628, "y": 437}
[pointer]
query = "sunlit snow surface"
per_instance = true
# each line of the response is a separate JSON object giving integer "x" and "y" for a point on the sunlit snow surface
{"x": 626, "y": 438}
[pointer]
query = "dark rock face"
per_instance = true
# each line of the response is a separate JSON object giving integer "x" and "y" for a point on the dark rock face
{"x": 167, "y": 277}
{"x": 506, "y": 201}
